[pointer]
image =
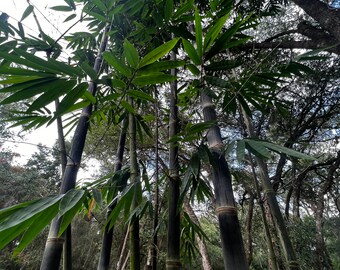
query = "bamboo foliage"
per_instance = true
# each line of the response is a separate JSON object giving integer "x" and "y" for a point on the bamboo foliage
{"x": 141, "y": 57}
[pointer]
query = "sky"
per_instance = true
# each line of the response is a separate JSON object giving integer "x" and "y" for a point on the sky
{"x": 51, "y": 24}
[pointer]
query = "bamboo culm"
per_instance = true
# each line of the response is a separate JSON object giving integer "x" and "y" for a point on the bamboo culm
{"x": 105, "y": 253}
{"x": 230, "y": 230}
{"x": 54, "y": 243}
{"x": 173, "y": 249}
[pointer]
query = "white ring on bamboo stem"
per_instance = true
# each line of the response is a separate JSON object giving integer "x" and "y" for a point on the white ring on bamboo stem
{"x": 217, "y": 146}
{"x": 55, "y": 240}
{"x": 207, "y": 105}
{"x": 226, "y": 210}
{"x": 85, "y": 114}
{"x": 72, "y": 164}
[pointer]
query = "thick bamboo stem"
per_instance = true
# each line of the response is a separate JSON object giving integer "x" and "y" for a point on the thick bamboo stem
{"x": 104, "y": 260}
{"x": 230, "y": 230}
{"x": 173, "y": 253}
{"x": 54, "y": 243}
{"x": 286, "y": 244}
{"x": 134, "y": 225}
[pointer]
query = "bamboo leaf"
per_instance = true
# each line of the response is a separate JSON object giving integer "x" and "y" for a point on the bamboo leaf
{"x": 287, "y": 151}
{"x": 30, "y": 91}
{"x": 101, "y": 5}
{"x": 76, "y": 201}
{"x": 257, "y": 148}
{"x": 69, "y": 18}
{"x": 168, "y": 9}
{"x": 140, "y": 95}
{"x": 240, "y": 150}
{"x": 155, "y": 78}
{"x": 187, "y": 6}
{"x": 214, "y": 31}
{"x": 27, "y": 12}
{"x": 198, "y": 32}
{"x": 89, "y": 71}
{"x": 40, "y": 222}
{"x": 69, "y": 100}
{"x": 62, "y": 8}
{"x": 158, "y": 53}
{"x": 161, "y": 66}
{"x": 191, "y": 51}
{"x": 59, "y": 88}
{"x": 70, "y": 199}
{"x": 117, "y": 64}
{"x": 131, "y": 54}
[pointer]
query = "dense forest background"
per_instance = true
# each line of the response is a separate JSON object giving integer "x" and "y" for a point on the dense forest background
{"x": 215, "y": 124}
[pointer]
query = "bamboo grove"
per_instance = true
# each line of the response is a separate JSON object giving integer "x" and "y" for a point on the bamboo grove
{"x": 190, "y": 102}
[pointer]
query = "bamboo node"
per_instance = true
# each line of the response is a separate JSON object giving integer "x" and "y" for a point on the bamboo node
{"x": 270, "y": 190}
{"x": 207, "y": 105}
{"x": 173, "y": 263}
{"x": 85, "y": 114}
{"x": 226, "y": 210}
{"x": 55, "y": 240}
{"x": 216, "y": 146}
{"x": 72, "y": 164}
{"x": 293, "y": 263}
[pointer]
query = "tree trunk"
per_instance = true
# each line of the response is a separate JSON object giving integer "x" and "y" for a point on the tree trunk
{"x": 272, "y": 263}
{"x": 134, "y": 176}
{"x": 54, "y": 244}
{"x": 154, "y": 250}
{"x": 287, "y": 246}
{"x": 67, "y": 249}
{"x": 202, "y": 247}
{"x": 231, "y": 238}
{"x": 248, "y": 233}
{"x": 104, "y": 260}
{"x": 173, "y": 253}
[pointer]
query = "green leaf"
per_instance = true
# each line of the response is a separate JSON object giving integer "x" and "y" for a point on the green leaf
{"x": 257, "y": 148}
{"x": 70, "y": 199}
{"x": 117, "y": 64}
{"x": 222, "y": 42}
{"x": 40, "y": 222}
{"x": 127, "y": 107}
{"x": 154, "y": 78}
{"x": 198, "y": 32}
{"x": 69, "y": 18}
{"x": 69, "y": 100}
{"x": 131, "y": 54}
{"x": 118, "y": 83}
{"x": 30, "y": 91}
{"x": 240, "y": 150}
{"x": 158, "y": 53}
{"x": 19, "y": 220}
{"x": 59, "y": 88}
{"x": 185, "y": 7}
{"x": 89, "y": 71}
{"x": 168, "y": 9}
{"x": 140, "y": 95}
{"x": 191, "y": 51}
{"x": 97, "y": 196}
{"x": 62, "y": 8}
{"x": 5, "y": 212}
{"x": 87, "y": 95}
{"x": 214, "y": 31}
{"x": 287, "y": 151}
{"x": 161, "y": 66}
{"x": 27, "y": 12}
{"x": 76, "y": 201}
{"x": 101, "y": 5}
{"x": 193, "y": 69}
